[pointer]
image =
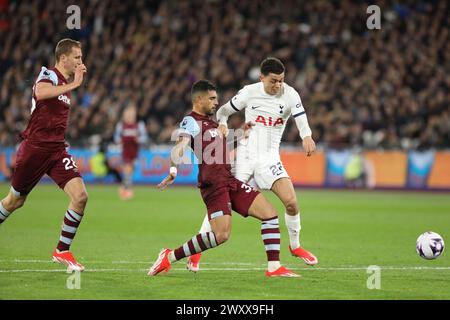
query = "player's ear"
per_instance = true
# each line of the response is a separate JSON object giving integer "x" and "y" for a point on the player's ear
{"x": 198, "y": 98}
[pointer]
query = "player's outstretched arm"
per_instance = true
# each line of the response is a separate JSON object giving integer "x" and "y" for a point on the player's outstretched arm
{"x": 305, "y": 132}
{"x": 175, "y": 158}
{"x": 45, "y": 90}
{"x": 222, "y": 115}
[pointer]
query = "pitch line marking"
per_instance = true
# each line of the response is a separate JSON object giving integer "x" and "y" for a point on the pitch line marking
{"x": 227, "y": 269}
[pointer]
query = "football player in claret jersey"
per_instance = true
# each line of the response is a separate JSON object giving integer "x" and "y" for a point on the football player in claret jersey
{"x": 268, "y": 104}
{"x": 130, "y": 133}
{"x": 221, "y": 192}
{"x": 43, "y": 149}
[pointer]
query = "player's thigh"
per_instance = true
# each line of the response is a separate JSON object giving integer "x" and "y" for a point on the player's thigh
{"x": 76, "y": 189}
{"x": 261, "y": 208}
{"x": 269, "y": 172}
{"x": 31, "y": 165}
{"x": 217, "y": 201}
{"x": 242, "y": 197}
{"x": 284, "y": 189}
{"x": 64, "y": 170}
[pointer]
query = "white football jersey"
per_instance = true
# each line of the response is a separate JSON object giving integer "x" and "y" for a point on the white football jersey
{"x": 269, "y": 114}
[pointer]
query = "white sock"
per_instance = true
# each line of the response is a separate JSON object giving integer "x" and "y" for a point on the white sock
{"x": 3, "y": 213}
{"x": 206, "y": 227}
{"x": 273, "y": 265}
{"x": 293, "y": 226}
{"x": 172, "y": 258}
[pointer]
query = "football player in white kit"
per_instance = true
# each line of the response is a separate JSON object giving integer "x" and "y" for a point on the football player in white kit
{"x": 268, "y": 104}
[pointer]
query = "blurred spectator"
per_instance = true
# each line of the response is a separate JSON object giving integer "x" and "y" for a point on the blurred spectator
{"x": 385, "y": 88}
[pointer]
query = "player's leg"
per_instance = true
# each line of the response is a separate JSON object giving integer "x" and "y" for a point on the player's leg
{"x": 31, "y": 165}
{"x": 65, "y": 174}
{"x": 249, "y": 202}
{"x": 10, "y": 203}
{"x": 128, "y": 181}
{"x": 285, "y": 191}
{"x": 243, "y": 172}
{"x": 193, "y": 262}
{"x": 129, "y": 155}
{"x": 219, "y": 214}
{"x": 126, "y": 191}
{"x": 76, "y": 191}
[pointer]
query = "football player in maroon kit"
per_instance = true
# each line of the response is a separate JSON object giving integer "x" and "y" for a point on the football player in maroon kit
{"x": 130, "y": 133}
{"x": 43, "y": 149}
{"x": 221, "y": 192}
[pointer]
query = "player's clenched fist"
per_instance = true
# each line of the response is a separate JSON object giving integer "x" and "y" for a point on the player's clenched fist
{"x": 80, "y": 70}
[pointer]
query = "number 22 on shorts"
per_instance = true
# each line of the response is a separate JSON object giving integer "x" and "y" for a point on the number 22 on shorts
{"x": 277, "y": 169}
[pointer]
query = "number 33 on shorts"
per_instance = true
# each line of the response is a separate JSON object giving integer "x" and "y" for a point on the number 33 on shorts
{"x": 247, "y": 188}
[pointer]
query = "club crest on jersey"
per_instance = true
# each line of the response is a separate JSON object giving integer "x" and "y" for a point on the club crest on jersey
{"x": 64, "y": 99}
{"x": 281, "y": 109}
{"x": 269, "y": 121}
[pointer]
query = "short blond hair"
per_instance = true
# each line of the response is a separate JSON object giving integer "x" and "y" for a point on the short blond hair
{"x": 65, "y": 46}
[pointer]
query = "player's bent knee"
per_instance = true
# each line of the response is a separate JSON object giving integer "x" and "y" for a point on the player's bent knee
{"x": 222, "y": 237}
{"x": 19, "y": 203}
{"x": 291, "y": 205}
{"x": 80, "y": 199}
{"x": 12, "y": 202}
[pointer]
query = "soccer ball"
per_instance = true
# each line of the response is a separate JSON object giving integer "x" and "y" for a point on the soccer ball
{"x": 430, "y": 245}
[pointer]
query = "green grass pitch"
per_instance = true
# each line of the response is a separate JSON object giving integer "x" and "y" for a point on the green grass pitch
{"x": 118, "y": 240}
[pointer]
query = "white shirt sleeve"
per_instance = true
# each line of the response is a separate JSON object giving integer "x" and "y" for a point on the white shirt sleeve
{"x": 299, "y": 114}
{"x": 118, "y": 133}
{"x": 189, "y": 127}
{"x": 47, "y": 76}
{"x": 143, "y": 138}
{"x": 236, "y": 104}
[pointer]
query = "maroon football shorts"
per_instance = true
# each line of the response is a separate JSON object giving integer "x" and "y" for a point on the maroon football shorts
{"x": 32, "y": 162}
{"x": 129, "y": 152}
{"x": 236, "y": 196}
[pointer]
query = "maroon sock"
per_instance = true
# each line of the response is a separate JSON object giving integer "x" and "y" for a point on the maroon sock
{"x": 71, "y": 222}
{"x": 198, "y": 243}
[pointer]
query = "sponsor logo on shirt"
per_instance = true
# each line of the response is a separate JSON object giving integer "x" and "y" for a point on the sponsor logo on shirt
{"x": 269, "y": 121}
{"x": 64, "y": 99}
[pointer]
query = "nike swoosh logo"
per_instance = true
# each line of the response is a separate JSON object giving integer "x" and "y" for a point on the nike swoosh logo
{"x": 253, "y": 108}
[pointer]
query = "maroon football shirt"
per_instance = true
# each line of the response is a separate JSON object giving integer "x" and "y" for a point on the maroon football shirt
{"x": 210, "y": 149}
{"x": 49, "y": 117}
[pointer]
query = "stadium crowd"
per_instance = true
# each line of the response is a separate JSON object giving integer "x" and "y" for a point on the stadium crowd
{"x": 386, "y": 88}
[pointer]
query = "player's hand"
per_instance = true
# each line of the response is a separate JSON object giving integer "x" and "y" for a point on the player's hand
{"x": 80, "y": 70}
{"x": 223, "y": 130}
{"x": 167, "y": 181}
{"x": 309, "y": 145}
{"x": 247, "y": 127}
